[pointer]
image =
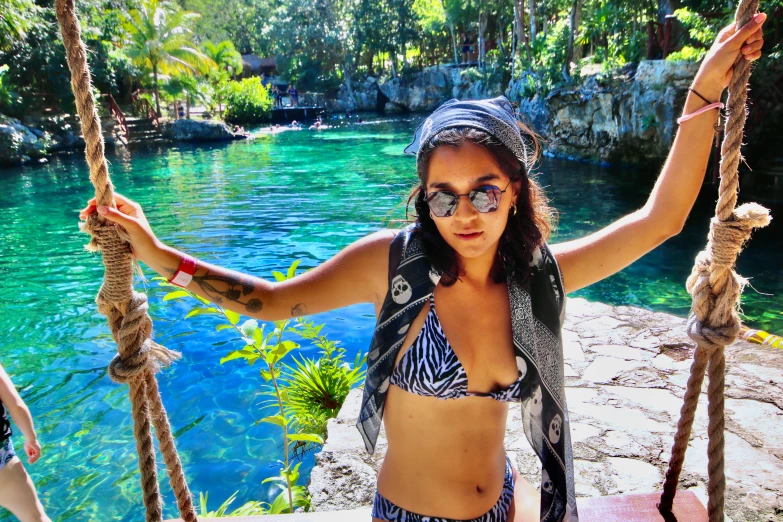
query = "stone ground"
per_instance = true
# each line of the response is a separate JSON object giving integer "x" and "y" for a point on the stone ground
{"x": 626, "y": 370}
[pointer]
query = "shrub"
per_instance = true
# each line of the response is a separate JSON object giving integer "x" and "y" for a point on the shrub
{"x": 247, "y": 101}
{"x": 316, "y": 390}
{"x": 10, "y": 101}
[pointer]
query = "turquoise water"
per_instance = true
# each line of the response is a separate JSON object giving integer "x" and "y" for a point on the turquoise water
{"x": 253, "y": 206}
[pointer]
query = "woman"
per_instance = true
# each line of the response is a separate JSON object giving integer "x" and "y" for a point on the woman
{"x": 17, "y": 492}
{"x": 441, "y": 376}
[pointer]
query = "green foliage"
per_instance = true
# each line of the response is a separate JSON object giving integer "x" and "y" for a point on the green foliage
{"x": 224, "y": 56}
{"x": 700, "y": 30}
{"x": 9, "y": 99}
{"x": 253, "y": 508}
{"x": 159, "y": 41}
{"x": 687, "y": 54}
{"x": 431, "y": 15}
{"x": 247, "y": 101}
{"x": 550, "y": 55}
{"x": 16, "y": 18}
{"x": 248, "y": 509}
{"x": 316, "y": 390}
{"x": 302, "y": 394}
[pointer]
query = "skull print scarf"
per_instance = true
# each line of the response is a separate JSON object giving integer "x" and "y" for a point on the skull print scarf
{"x": 537, "y": 312}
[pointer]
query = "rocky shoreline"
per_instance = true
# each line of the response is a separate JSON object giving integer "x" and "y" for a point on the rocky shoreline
{"x": 623, "y": 117}
{"x": 626, "y": 116}
{"x": 35, "y": 139}
{"x": 626, "y": 370}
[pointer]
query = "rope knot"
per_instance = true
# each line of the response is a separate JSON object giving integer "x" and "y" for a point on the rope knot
{"x": 728, "y": 237}
{"x": 151, "y": 355}
{"x": 712, "y": 337}
{"x": 131, "y": 329}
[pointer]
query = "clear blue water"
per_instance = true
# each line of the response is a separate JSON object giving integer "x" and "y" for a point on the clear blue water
{"x": 253, "y": 206}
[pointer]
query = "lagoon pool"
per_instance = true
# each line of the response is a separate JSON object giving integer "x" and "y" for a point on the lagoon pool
{"x": 253, "y": 206}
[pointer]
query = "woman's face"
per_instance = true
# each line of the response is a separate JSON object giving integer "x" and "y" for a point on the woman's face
{"x": 461, "y": 169}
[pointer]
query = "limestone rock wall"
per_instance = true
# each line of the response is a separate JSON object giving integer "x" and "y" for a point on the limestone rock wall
{"x": 422, "y": 92}
{"x": 627, "y": 118}
{"x": 626, "y": 371}
{"x": 31, "y": 140}
{"x": 624, "y": 117}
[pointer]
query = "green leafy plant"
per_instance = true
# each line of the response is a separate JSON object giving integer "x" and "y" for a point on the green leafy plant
{"x": 303, "y": 395}
{"x": 701, "y": 31}
{"x": 248, "y": 509}
{"x": 316, "y": 390}
{"x": 247, "y": 101}
{"x": 9, "y": 99}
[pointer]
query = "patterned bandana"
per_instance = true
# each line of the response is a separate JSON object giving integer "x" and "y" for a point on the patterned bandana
{"x": 495, "y": 116}
{"x": 537, "y": 313}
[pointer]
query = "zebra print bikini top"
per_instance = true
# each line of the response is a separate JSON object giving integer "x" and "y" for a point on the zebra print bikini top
{"x": 430, "y": 367}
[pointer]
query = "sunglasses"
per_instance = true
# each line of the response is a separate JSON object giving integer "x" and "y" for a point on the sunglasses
{"x": 484, "y": 199}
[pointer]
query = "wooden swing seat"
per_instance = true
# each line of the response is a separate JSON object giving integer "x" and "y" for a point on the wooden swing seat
{"x": 636, "y": 507}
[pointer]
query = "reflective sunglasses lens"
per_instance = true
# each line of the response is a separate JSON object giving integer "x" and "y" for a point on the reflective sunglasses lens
{"x": 442, "y": 204}
{"x": 485, "y": 199}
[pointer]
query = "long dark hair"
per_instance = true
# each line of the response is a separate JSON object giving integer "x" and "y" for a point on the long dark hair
{"x": 525, "y": 230}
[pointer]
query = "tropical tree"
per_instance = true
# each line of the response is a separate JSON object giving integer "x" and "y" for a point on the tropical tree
{"x": 16, "y": 18}
{"x": 224, "y": 55}
{"x": 160, "y": 41}
{"x": 228, "y": 63}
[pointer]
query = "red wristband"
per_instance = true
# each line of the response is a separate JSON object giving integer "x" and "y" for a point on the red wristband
{"x": 184, "y": 274}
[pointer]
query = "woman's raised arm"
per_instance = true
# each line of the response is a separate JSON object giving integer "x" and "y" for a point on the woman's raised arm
{"x": 358, "y": 274}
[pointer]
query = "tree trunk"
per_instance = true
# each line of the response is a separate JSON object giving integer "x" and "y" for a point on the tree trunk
{"x": 348, "y": 84}
{"x": 571, "y": 35}
{"x": 403, "y": 43}
{"x": 578, "y": 48}
{"x": 515, "y": 39}
{"x": 371, "y": 63}
{"x": 532, "y": 4}
{"x": 157, "y": 94}
{"x": 454, "y": 42}
{"x": 187, "y": 106}
{"x": 482, "y": 27}
{"x": 519, "y": 15}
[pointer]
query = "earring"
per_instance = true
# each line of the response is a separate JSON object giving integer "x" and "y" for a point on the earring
{"x": 514, "y": 209}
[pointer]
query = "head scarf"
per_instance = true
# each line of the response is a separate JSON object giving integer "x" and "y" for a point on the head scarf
{"x": 495, "y": 116}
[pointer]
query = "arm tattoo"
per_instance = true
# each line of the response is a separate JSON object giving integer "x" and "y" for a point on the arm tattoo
{"x": 171, "y": 272}
{"x": 236, "y": 290}
{"x": 299, "y": 310}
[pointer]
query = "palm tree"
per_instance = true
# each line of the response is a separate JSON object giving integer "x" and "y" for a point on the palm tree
{"x": 228, "y": 63}
{"x": 160, "y": 41}
{"x": 225, "y": 56}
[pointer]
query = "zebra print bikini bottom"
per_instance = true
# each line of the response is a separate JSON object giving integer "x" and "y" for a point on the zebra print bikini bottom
{"x": 385, "y": 510}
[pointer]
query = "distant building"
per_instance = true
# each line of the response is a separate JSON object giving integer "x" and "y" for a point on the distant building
{"x": 254, "y": 65}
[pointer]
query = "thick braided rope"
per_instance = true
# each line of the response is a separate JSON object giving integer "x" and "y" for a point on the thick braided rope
{"x": 715, "y": 288}
{"x": 138, "y": 357}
